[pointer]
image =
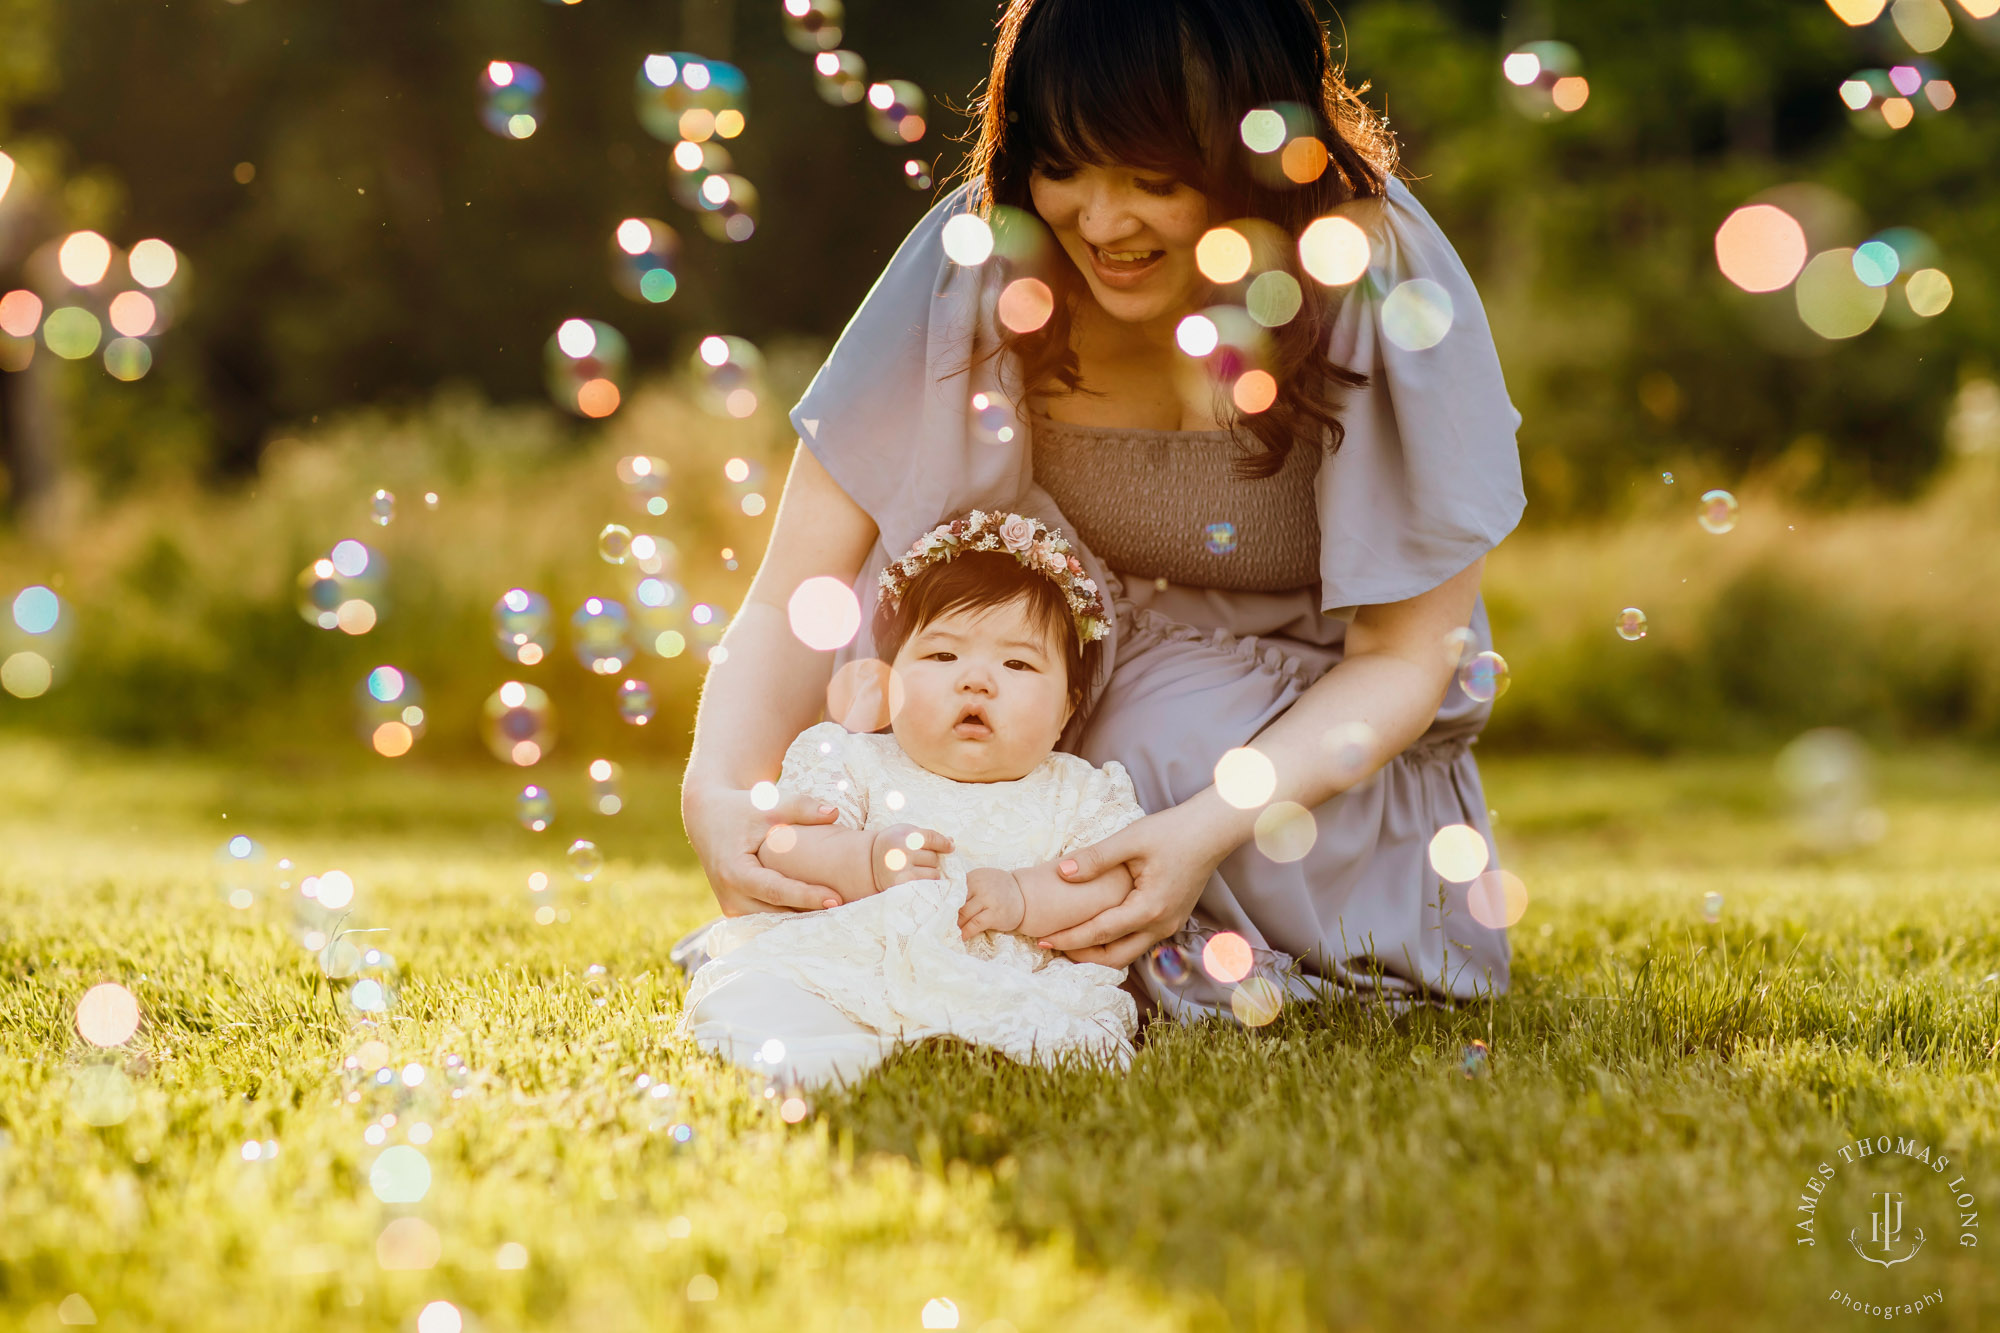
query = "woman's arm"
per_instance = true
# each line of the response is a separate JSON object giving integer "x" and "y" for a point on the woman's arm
{"x": 769, "y": 688}
{"x": 1392, "y": 678}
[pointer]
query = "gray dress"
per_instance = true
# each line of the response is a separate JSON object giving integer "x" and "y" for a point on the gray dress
{"x": 916, "y": 420}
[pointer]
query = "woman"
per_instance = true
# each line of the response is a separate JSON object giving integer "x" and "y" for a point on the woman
{"x": 1301, "y": 576}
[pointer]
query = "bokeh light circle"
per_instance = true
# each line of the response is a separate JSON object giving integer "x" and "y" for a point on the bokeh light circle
{"x": 1458, "y": 852}
{"x": 824, "y": 613}
{"x": 107, "y": 1015}
{"x": 1227, "y": 957}
{"x": 1760, "y": 248}
{"x": 1245, "y": 777}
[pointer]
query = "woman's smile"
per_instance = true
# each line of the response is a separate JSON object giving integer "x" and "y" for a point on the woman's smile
{"x": 1125, "y": 269}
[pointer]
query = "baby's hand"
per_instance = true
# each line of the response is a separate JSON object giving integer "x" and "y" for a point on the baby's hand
{"x": 905, "y": 852}
{"x": 993, "y": 901}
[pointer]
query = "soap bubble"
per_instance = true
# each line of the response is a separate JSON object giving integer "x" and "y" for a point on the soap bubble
{"x": 519, "y": 723}
{"x": 1169, "y": 965}
{"x": 584, "y": 362}
{"x": 644, "y": 477}
{"x": 521, "y": 622}
{"x": 241, "y": 873}
{"x": 599, "y": 631}
{"x": 510, "y": 97}
{"x": 896, "y": 111}
{"x": 840, "y": 77}
{"x": 390, "y": 711}
{"x": 344, "y": 589}
{"x": 813, "y": 25}
{"x": 728, "y": 206}
{"x": 585, "y": 861}
{"x": 535, "y": 808}
{"x": 614, "y": 543}
{"x": 1219, "y": 538}
{"x": 683, "y": 96}
{"x": 1711, "y": 907}
{"x": 917, "y": 175}
{"x": 635, "y": 702}
{"x": 1631, "y": 624}
{"x": 605, "y": 777}
{"x": 1485, "y": 677}
{"x": 729, "y": 376}
{"x": 1473, "y": 1063}
{"x": 1718, "y": 511}
{"x": 645, "y": 256}
{"x": 692, "y": 165}
{"x": 382, "y": 508}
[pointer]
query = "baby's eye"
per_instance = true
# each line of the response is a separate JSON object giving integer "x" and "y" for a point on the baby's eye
{"x": 1017, "y": 662}
{"x": 941, "y": 656}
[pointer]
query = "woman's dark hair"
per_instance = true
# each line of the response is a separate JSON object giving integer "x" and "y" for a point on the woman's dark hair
{"x": 977, "y": 580}
{"x": 1163, "y": 85}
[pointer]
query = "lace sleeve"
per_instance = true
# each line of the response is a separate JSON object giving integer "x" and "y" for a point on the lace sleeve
{"x": 820, "y": 764}
{"x": 1108, "y": 804}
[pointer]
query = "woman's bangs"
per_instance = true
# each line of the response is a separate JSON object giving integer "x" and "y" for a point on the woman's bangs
{"x": 1128, "y": 106}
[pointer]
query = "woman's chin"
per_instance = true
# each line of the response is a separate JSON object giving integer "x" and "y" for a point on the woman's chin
{"x": 1136, "y": 305}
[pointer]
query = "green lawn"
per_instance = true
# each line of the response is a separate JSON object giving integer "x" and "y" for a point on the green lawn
{"x": 1660, "y": 1088}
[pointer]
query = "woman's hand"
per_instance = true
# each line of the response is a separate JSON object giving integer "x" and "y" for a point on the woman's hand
{"x": 726, "y": 830}
{"x": 1171, "y": 858}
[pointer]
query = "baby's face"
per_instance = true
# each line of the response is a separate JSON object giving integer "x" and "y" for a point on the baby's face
{"x": 985, "y": 694}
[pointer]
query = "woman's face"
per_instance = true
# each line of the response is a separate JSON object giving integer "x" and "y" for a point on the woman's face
{"x": 1131, "y": 233}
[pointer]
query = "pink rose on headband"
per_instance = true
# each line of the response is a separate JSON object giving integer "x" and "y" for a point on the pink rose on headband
{"x": 1018, "y": 533}
{"x": 1075, "y": 566}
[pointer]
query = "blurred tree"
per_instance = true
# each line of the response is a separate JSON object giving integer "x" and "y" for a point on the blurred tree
{"x": 355, "y": 235}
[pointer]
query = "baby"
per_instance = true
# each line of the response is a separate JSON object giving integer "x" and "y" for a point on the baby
{"x": 941, "y": 867}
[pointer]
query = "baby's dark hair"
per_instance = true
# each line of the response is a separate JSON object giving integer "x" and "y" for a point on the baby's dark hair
{"x": 975, "y": 580}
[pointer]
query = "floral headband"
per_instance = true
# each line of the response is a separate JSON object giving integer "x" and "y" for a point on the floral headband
{"x": 1028, "y": 540}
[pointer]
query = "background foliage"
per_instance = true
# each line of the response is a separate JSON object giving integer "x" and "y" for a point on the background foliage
{"x": 369, "y": 309}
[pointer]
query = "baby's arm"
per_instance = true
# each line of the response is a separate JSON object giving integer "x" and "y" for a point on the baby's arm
{"x": 1036, "y": 901}
{"x": 852, "y": 863}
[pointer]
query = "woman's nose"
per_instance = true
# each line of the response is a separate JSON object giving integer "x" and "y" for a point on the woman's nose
{"x": 1105, "y": 218}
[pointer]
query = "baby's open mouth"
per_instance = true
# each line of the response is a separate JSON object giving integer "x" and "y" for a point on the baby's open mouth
{"x": 972, "y": 724}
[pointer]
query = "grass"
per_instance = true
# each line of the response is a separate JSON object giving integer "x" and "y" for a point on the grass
{"x": 1659, "y": 1087}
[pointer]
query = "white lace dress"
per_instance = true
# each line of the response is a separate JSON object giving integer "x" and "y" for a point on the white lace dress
{"x": 893, "y": 964}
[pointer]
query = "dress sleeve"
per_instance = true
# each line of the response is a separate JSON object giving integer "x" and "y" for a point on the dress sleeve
{"x": 822, "y": 763}
{"x": 1109, "y": 803}
{"x": 891, "y": 416}
{"x": 1428, "y": 478}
